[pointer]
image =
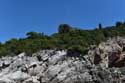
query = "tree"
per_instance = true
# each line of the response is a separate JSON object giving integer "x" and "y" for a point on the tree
{"x": 100, "y": 26}
{"x": 64, "y": 28}
{"x": 12, "y": 45}
{"x": 33, "y": 35}
{"x": 119, "y": 24}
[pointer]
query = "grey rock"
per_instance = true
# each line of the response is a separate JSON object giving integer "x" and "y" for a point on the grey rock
{"x": 51, "y": 66}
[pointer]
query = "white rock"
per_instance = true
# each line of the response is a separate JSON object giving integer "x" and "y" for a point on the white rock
{"x": 18, "y": 75}
{"x": 22, "y": 54}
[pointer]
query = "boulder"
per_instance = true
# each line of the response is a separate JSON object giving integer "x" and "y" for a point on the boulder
{"x": 110, "y": 53}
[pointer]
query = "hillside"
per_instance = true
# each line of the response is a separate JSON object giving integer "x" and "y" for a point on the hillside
{"x": 104, "y": 63}
{"x": 70, "y": 56}
{"x": 67, "y": 38}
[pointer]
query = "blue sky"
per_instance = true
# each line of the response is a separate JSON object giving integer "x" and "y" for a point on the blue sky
{"x": 20, "y": 16}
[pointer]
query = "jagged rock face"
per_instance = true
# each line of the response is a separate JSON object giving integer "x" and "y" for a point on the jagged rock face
{"x": 50, "y": 66}
{"x": 110, "y": 53}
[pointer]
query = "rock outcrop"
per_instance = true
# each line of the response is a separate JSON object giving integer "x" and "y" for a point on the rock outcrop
{"x": 110, "y": 53}
{"x": 101, "y": 65}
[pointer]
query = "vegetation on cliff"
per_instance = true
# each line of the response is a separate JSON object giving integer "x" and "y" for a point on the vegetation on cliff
{"x": 67, "y": 38}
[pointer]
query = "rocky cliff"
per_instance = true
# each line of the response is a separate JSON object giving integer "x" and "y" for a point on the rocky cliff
{"x": 103, "y": 64}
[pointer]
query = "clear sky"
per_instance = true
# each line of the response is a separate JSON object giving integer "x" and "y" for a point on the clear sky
{"x": 20, "y": 16}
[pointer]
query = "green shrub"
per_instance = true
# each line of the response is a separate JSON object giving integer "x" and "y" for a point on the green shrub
{"x": 67, "y": 38}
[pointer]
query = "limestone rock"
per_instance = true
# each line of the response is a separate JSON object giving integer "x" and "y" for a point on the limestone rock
{"x": 52, "y": 66}
{"x": 110, "y": 53}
